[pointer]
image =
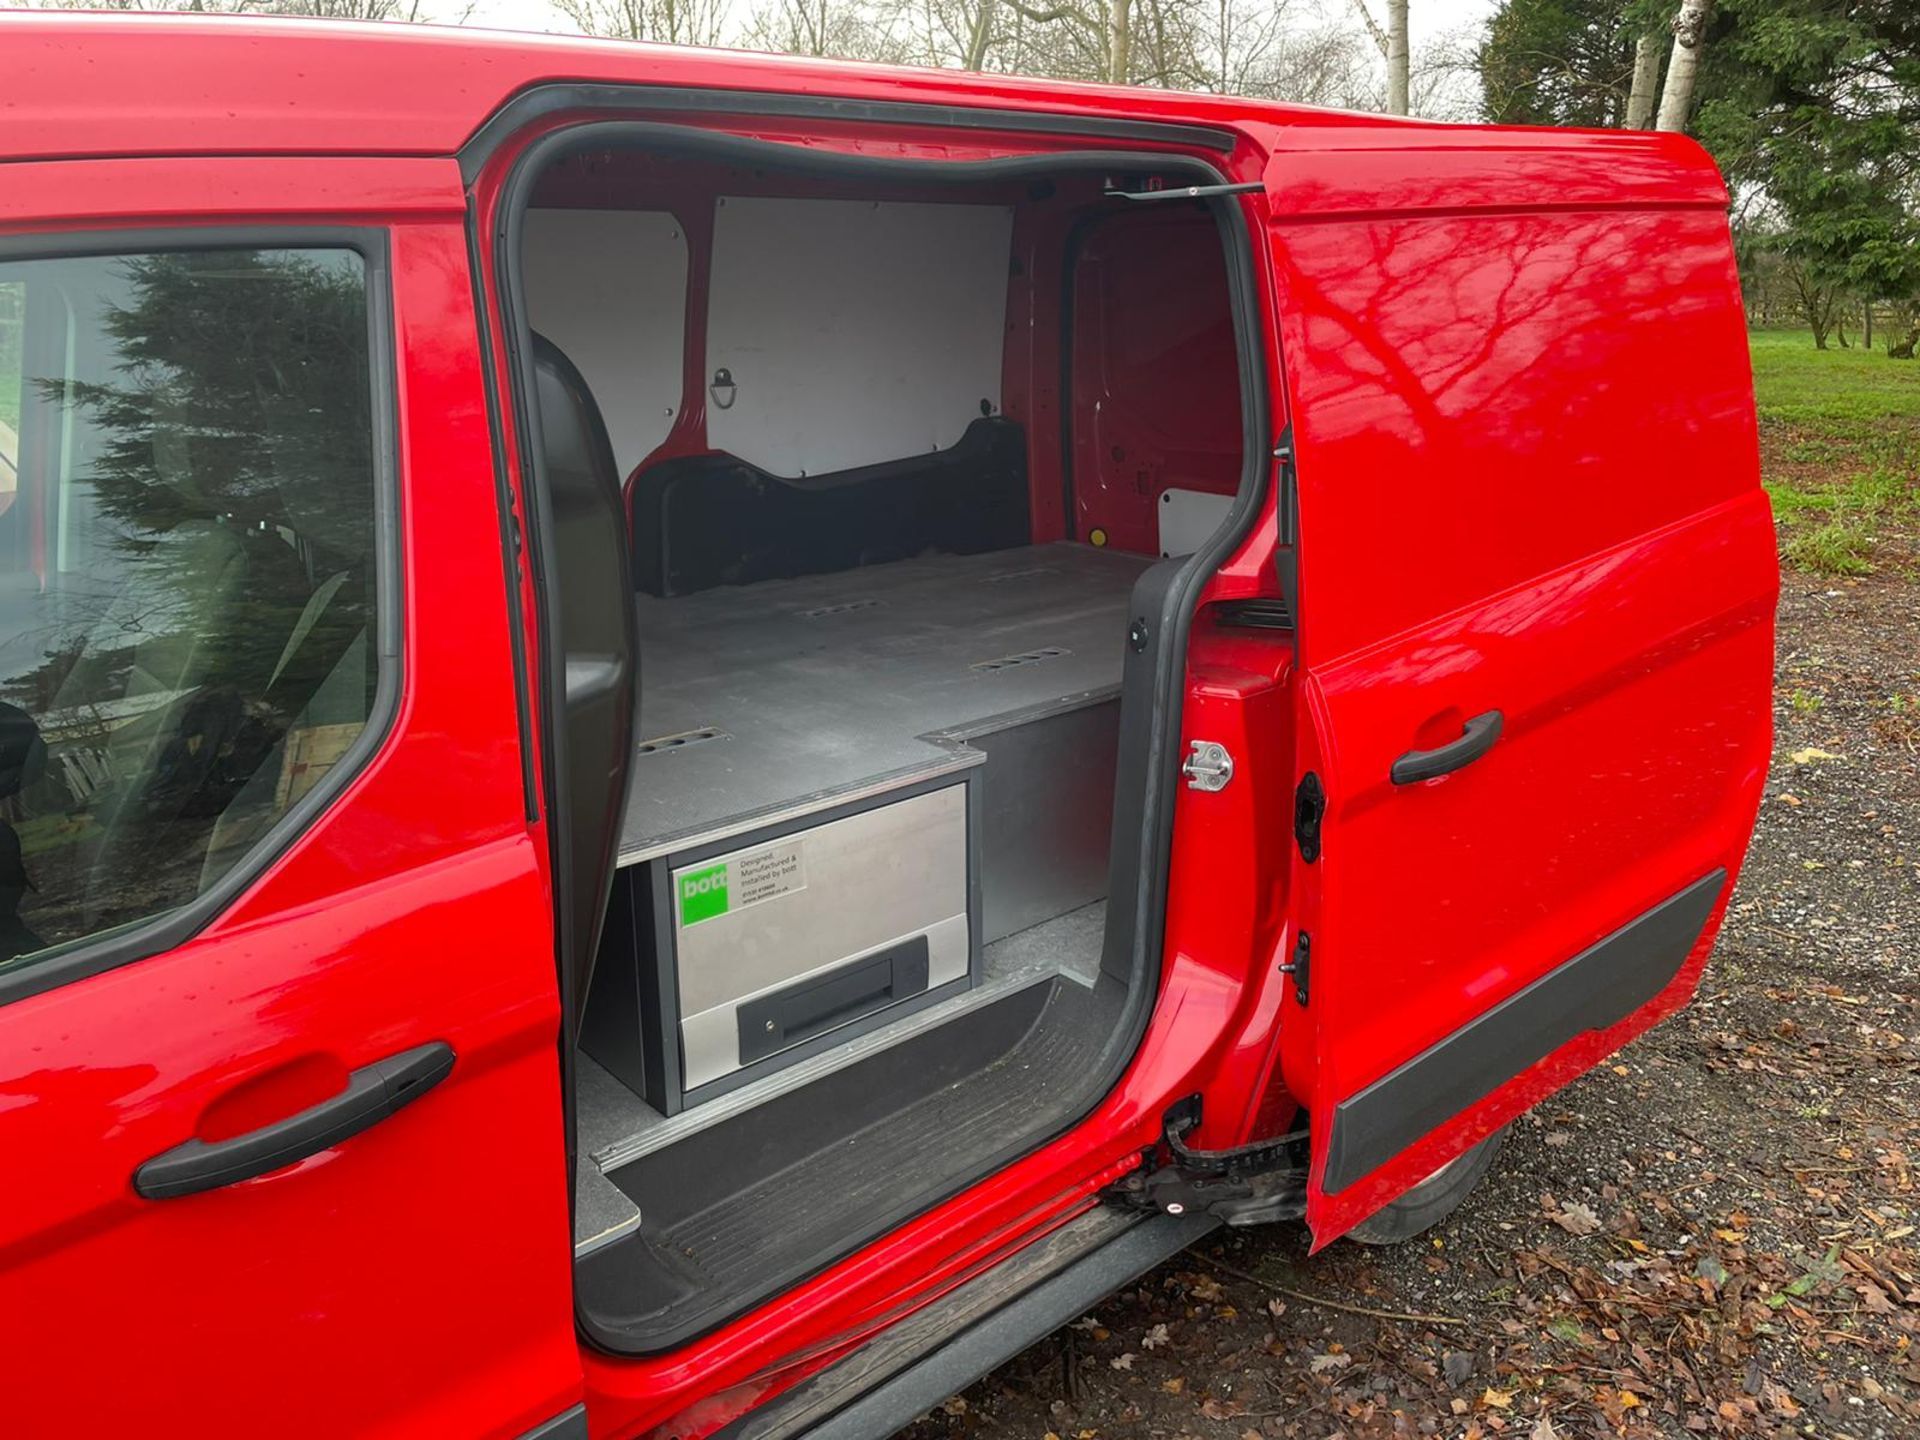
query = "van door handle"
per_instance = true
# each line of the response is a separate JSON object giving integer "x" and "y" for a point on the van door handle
{"x": 373, "y": 1092}
{"x": 1476, "y": 738}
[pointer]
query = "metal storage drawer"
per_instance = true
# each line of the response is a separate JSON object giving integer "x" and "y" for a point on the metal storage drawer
{"x": 730, "y": 960}
{"x": 765, "y": 926}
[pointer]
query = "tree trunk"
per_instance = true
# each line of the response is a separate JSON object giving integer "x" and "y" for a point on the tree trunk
{"x": 1816, "y": 304}
{"x": 1397, "y": 57}
{"x": 1689, "y": 33}
{"x": 1119, "y": 41}
{"x": 1866, "y": 321}
{"x": 982, "y": 36}
{"x": 1646, "y": 82}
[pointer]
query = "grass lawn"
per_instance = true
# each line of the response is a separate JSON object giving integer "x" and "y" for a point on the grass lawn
{"x": 1840, "y": 448}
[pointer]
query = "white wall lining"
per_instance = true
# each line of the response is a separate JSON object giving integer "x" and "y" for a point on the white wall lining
{"x": 609, "y": 287}
{"x": 855, "y": 331}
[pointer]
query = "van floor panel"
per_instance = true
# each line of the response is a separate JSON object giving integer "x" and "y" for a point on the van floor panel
{"x": 747, "y": 1208}
{"x": 828, "y": 686}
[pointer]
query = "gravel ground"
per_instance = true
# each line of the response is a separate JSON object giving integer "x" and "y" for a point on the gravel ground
{"x": 1713, "y": 1235}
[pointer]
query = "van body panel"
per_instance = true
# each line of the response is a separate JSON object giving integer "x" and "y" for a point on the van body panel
{"x": 410, "y": 912}
{"x": 1482, "y": 405}
{"x": 1336, "y": 170}
{"x": 1464, "y": 327}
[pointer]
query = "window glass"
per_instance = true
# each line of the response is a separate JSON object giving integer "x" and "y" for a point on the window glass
{"x": 186, "y": 570}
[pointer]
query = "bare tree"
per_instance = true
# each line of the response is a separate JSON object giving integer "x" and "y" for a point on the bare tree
{"x": 979, "y": 37}
{"x": 1820, "y": 303}
{"x": 844, "y": 29}
{"x": 671, "y": 22}
{"x": 1445, "y": 85}
{"x": 399, "y": 10}
{"x": 1689, "y": 33}
{"x": 1646, "y": 82}
{"x": 208, "y": 7}
{"x": 1281, "y": 49}
{"x": 1235, "y": 46}
{"x": 1391, "y": 38}
{"x": 1397, "y": 57}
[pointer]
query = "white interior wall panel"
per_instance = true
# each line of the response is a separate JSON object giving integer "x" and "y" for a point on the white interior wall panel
{"x": 609, "y": 287}
{"x": 855, "y": 331}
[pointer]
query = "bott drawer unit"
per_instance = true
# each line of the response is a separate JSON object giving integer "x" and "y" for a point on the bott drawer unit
{"x": 728, "y": 961}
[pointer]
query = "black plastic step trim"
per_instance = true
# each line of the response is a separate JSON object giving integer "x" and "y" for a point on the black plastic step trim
{"x": 757, "y": 1202}
{"x": 1599, "y": 987}
{"x": 1021, "y": 1309}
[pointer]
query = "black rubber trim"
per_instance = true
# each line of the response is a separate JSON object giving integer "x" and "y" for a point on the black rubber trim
{"x": 1599, "y": 987}
{"x": 568, "y": 1425}
{"x": 512, "y": 533}
{"x": 907, "y": 1341}
{"x": 555, "y": 98}
{"x": 137, "y": 941}
{"x": 372, "y": 1093}
{"x": 963, "y": 1355}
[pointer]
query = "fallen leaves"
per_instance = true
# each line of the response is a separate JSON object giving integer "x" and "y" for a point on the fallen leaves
{"x": 1811, "y": 754}
{"x": 1575, "y": 1218}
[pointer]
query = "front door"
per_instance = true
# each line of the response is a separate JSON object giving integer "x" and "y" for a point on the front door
{"x": 279, "y": 1092}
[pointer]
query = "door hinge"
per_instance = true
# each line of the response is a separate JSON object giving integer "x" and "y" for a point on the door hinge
{"x": 1208, "y": 766}
{"x": 1298, "y": 966}
{"x": 1309, "y": 808}
{"x": 1247, "y": 1185}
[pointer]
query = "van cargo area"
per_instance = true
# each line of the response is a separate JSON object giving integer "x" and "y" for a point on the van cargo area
{"x": 897, "y": 445}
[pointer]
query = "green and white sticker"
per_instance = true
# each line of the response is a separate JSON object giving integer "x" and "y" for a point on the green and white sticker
{"x": 743, "y": 880}
{"x": 703, "y": 893}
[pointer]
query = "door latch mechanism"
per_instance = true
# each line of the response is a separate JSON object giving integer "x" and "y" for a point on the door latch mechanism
{"x": 1309, "y": 809}
{"x": 1208, "y": 766}
{"x": 1300, "y": 966}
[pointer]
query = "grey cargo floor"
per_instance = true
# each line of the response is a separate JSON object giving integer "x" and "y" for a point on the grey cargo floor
{"x": 746, "y": 1208}
{"x": 765, "y": 700}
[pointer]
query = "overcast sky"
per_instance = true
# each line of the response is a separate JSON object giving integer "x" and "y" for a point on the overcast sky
{"x": 1425, "y": 17}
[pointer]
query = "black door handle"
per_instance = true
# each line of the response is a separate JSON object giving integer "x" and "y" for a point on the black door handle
{"x": 373, "y": 1092}
{"x": 1476, "y": 738}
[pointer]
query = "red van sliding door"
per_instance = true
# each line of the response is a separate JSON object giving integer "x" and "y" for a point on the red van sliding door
{"x": 1537, "y": 581}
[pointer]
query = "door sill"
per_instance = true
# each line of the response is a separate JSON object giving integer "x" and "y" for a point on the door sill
{"x": 944, "y": 1347}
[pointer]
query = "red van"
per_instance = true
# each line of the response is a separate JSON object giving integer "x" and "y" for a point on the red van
{"x": 690, "y": 742}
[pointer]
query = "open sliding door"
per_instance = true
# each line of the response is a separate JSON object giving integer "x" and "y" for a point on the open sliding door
{"x": 1535, "y": 685}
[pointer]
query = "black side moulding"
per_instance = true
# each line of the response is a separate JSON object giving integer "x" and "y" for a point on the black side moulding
{"x": 1601, "y": 986}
